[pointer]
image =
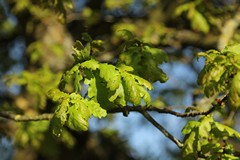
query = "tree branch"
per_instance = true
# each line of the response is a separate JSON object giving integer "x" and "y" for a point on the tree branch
{"x": 187, "y": 37}
{"x": 128, "y": 109}
{"x": 125, "y": 110}
{"x": 24, "y": 118}
{"x": 162, "y": 129}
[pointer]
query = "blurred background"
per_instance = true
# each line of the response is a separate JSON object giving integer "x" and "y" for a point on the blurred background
{"x": 36, "y": 39}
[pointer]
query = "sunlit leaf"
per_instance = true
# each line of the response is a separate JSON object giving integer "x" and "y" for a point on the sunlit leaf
{"x": 82, "y": 53}
{"x": 90, "y": 64}
{"x": 199, "y": 22}
{"x": 189, "y": 127}
{"x": 234, "y": 93}
{"x": 59, "y": 118}
{"x": 190, "y": 147}
{"x": 111, "y": 76}
{"x": 205, "y": 126}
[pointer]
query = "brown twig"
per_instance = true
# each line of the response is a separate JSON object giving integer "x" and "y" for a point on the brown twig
{"x": 160, "y": 110}
{"x": 162, "y": 129}
{"x": 125, "y": 110}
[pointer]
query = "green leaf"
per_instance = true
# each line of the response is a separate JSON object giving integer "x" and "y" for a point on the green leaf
{"x": 189, "y": 150}
{"x": 86, "y": 37}
{"x": 92, "y": 88}
{"x": 59, "y": 118}
{"x": 235, "y": 48}
{"x": 97, "y": 90}
{"x": 183, "y": 8}
{"x": 189, "y": 127}
{"x": 126, "y": 34}
{"x": 134, "y": 91}
{"x": 205, "y": 126}
{"x": 229, "y": 157}
{"x": 81, "y": 53}
{"x": 199, "y": 22}
{"x": 97, "y": 46}
{"x": 56, "y": 95}
{"x": 222, "y": 131}
{"x": 77, "y": 80}
{"x": 145, "y": 60}
{"x": 143, "y": 82}
{"x": 75, "y": 120}
{"x": 90, "y": 64}
{"x": 220, "y": 67}
{"x": 73, "y": 77}
{"x": 234, "y": 93}
{"x": 123, "y": 67}
{"x": 212, "y": 147}
{"x": 111, "y": 76}
{"x": 95, "y": 108}
{"x": 78, "y": 113}
{"x": 119, "y": 96}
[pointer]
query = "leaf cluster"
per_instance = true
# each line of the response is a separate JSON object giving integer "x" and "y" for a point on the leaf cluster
{"x": 207, "y": 139}
{"x": 141, "y": 55}
{"x": 41, "y": 9}
{"x": 107, "y": 85}
{"x": 35, "y": 83}
{"x": 221, "y": 74}
{"x": 197, "y": 19}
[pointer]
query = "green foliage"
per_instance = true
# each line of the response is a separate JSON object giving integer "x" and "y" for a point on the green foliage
{"x": 221, "y": 73}
{"x": 73, "y": 111}
{"x": 141, "y": 55}
{"x": 234, "y": 92}
{"x": 119, "y": 4}
{"x": 208, "y": 138}
{"x": 37, "y": 84}
{"x": 108, "y": 85}
{"x": 92, "y": 88}
{"x": 30, "y": 133}
{"x": 197, "y": 19}
{"x": 41, "y": 9}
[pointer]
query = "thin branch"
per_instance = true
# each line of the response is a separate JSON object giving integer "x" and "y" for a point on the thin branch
{"x": 160, "y": 110}
{"x": 24, "y": 118}
{"x": 162, "y": 129}
{"x": 125, "y": 110}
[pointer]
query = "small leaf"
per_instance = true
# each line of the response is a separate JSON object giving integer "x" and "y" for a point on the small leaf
{"x": 59, "y": 118}
{"x": 145, "y": 60}
{"x": 111, "y": 75}
{"x": 234, "y": 93}
{"x": 56, "y": 95}
{"x": 95, "y": 108}
{"x": 182, "y": 8}
{"x": 76, "y": 121}
{"x": 86, "y": 37}
{"x": 97, "y": 46}
{"x": 134, "y": 91}
{"x": 126, "y": 34}
{"x": 81, "y": 53}
{"x": 221, "y": 131}
{"x": 199, "y": 22}
{"x": 123, "y": 67}
{"x": 189, "y": 127}
{"x": 189, "y": 150}
{"x": 90, "y": 64}
{"x": 235, "y": 48}
{"x": 205, "y": 126}
{"x": 144, "y": 82}
{"x": 119, "y": 96}
{"x": 212, "y": 148}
